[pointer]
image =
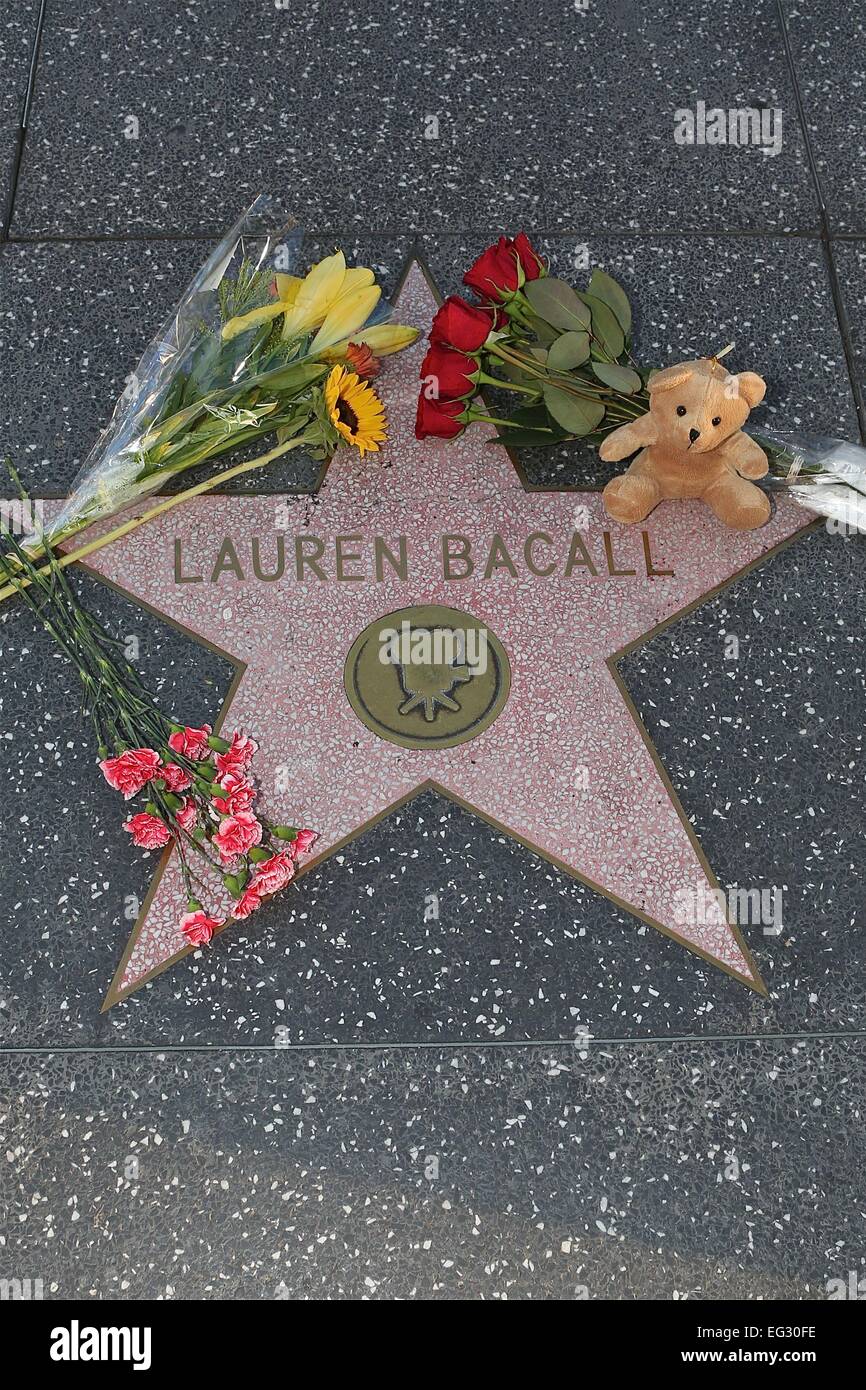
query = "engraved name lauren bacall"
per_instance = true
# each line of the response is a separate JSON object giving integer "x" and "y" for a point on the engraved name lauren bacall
{"x": 356, "y": 558}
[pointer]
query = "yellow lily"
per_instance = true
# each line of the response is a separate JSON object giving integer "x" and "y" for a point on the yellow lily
{"x": 346, "y": 316}
{"x": 321, "y": 286}
{"x": 382, "y": 339}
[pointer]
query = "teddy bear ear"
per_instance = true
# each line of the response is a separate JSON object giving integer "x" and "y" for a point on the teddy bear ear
{"x": 751, "y": 386}
{"x": 669, "y": 377}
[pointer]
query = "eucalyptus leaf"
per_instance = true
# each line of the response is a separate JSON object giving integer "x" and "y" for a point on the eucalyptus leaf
{"x": 535, "y": 417}
{"x": 619, "y": 377}
{"x": 603, "y": 286}
{"x": 605, "y": 326}
{"x": 557, "y": 303}
{"x": 574, "y": 413}
{"x": 569, "y": 350}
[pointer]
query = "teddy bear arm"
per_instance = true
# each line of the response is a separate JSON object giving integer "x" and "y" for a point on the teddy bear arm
{"x": 746, "y": 456}
{"x": 628, "y": 439}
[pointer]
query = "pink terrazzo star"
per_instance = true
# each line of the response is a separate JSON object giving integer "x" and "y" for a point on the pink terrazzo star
{"x": 566, "y": 766}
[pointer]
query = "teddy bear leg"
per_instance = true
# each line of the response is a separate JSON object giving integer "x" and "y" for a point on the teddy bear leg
{"x": 738, "y": 503}
{"x": 631, "y": 497}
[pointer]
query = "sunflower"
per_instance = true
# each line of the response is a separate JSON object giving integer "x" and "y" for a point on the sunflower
{"x": 354, "y": 410}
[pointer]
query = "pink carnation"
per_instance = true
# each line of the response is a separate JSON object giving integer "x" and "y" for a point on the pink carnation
{"x": 236, "y": 834}
{"x": 273, "y": 874}
{"x": 174, "y": 777}
{"x": 192, "y": 743}
{"x": 302, "y": 842}
{"x": 239, "y": 795}
{"x": 187, "y": 816}
{"x": 248, "y": 901}
{"x": 238, "y": 757}
{"x": 198, "y": 927}
{"x": 129, "y": 771}
{"x": 147, "y": 831}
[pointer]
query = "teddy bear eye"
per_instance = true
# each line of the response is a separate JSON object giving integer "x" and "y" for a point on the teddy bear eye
{"x": 681, "y": 410}
{"x": 717, "y": 419}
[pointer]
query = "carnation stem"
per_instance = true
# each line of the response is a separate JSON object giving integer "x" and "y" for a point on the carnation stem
{"x": 174, "y": 501}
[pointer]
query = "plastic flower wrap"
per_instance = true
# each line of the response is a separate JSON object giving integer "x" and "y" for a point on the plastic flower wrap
{"x": 245, "y": 354}
{"x": 826, "y": 475}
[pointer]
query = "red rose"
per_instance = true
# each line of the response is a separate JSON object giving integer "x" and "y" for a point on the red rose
{"x": 495, "y": 270}
{"x": 147, "y": 831}
{"x": 451, "y": 371}
{"x": 496, "y": 273}
{"x": 461, "y": 325}
{"x": 129, "y": 771}
{"x": 192, "y": 743}
{"x": 438, "y": 419}
{"x": 532, "y": 263}
{"x": 198, "y": 927}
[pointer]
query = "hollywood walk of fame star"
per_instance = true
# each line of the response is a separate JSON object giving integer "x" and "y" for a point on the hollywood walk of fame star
{"x": 559, "y": 759}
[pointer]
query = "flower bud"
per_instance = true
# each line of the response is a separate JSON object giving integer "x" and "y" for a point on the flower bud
{"x": 259, "y": 855}
{"x": 219, "y": 745}
{"x": 284, "y": 832}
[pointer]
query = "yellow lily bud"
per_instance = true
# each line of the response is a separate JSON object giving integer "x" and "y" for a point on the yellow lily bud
{"x": 319, "y": 289}
{"x": 241, "y": 322}
{"x": 382, "y": 339}
{"x": 346, "y": 316}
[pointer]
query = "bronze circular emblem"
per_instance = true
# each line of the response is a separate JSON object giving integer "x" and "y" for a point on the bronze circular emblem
{"x": 427, "y": 677}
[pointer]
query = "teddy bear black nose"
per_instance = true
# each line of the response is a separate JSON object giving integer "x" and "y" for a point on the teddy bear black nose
{"x": 693, "y": 435}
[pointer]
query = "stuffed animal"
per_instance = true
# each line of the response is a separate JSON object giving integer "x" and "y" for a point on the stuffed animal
{"x": 692, "y": 445}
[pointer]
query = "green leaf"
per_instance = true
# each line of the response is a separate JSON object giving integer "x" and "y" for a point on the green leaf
{"x": 545, "y": 334}
{"x": 557, "y": 303}
{"x": 530, "y": 427}
{"x": 574, "y": 413}
{"x": 603, "y": 286}
{"x": 569, "y": 350}
{"x": 620, "y": 378}
{"x": 534, "y": 417}
{"x": 605, "y": 328}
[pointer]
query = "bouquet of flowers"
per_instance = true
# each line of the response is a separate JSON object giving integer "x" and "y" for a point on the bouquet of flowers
{"x": 253, "y": 349}
{"x": 197, "y": 788}
{"x": 566, "y": 354}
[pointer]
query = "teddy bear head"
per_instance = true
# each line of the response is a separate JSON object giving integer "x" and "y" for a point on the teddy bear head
{"x": 698, "y": 405}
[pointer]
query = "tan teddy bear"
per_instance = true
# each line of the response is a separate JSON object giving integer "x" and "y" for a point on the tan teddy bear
{"x": 692, "y": 445}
